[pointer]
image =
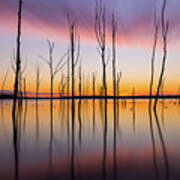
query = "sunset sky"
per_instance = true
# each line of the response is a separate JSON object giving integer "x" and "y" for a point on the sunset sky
{"x": 44, "y": 20}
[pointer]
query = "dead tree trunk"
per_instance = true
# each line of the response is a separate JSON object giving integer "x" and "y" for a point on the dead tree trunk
{"x": 94, "y": 85}
{"x": 37, "y": 81}
{"x": 62, "y": 85}
{"x": 74, "y": 57}
{"x": 100, "y": 31}
{"x": 119, "y": 76}
{"x": 164, "y": 36}
{"x": 80, "y": 81}
{"x": 59, "y": 66}
{"x": 68, "y": 75}
{"x": 18, "y": 57}
{"x": 156, "y": 27}
{"x": 4, "y": 81}
{"x": 25, "y": 94}
{"x": 114, "y": 29}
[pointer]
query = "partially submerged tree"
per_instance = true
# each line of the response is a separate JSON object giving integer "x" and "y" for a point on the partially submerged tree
{"x": 94, "y": 85}
{"x": 156, "y": 27}
{"x": 37, "y": 81}
{"x": 119, "y": 76}
{"x": 68, "y": 74}
{"x": 50, "y": 62}
{"x": 20, "y": 78}
{"x": 165, "y": 27}
{"x": 18, "y": 56}
{"x": 80, "y": 81}
{"x": 4, "y": 80}
{"x": 114, "y": 30}
{"x": 62, "y": 85}
{"x": 74, "y": 49}
{"x": 100, "y": 31}
{"x": 24, "y": 93}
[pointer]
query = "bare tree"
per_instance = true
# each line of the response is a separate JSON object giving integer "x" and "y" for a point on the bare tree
{"x": 18, "y": 56}
{"x": 37, "y": 81}
{"x": 87, "y": 85}
{"x": 20, "y": 78}
{"x": 62, "y": 85}
{"x": 53, "y": 71}
{"x": 178, "y": 91}
{"x": 165, "y": 27}
{"x": 4, "y": 80}
{"x": 68, "y": 74}
{"x": 83, "y": 83}
{"x": 100, "y": 31}
{"x": 156, "y": 27}
{"x": 80, "y": 81}
{"x": 114, "y": 30}
{"x": 119, "y": 76}
{"x": 25, "y": 93}
{"x": 94, "y": 85}
{"x": 75, "y": 51}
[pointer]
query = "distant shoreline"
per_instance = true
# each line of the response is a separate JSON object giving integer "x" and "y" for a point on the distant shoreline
{"x": 10, "y": 97}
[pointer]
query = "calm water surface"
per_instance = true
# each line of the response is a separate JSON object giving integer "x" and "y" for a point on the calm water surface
{"x": 90, "y": 140}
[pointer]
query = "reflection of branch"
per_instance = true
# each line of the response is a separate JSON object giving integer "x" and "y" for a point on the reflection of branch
{"x": 73, "y": 137}
{"x": 80, "y": 122}
{"x": 51, "y": 136}
{"x": 37, "y": 120}
{"x": 163, "y": 145}
{"x": 25, "y": 115}
{"x": 134, "y": 110}
{"x": 94, "y": 117}
{"x": 16, "y": 151}
{"x": 115, "y": 138}
{"x": 105, "y": 141}
{"x": 153, "y": 142}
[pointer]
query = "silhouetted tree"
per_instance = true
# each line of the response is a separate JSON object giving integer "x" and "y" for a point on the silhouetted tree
{"x": 87, "y": 85}
{"x": 114, "y": 29}
{"x": 83, "y": 78}
{"x": 100, "y": 31}
{"x": 134, "y": 110}
{"x": 25, "y": 93}
{"x": 80, "y": 81}
{"x": 53, "y": 71}
{"x": 20, "y": 78}
{"x": 165, "y": 26}
{"x": 75, "y": 51}
{"x": 37, "y": 81}
{"x": 119, "y": 76}
{"x": 4, "y": 80}
{"x": 156, "y": 27}
{"x": 18, "y": 57}
{"x": 68, "y": 74}
{"x": 178, "y": 91}
{"x": 94, "y": 85}
{"x": 62, "y": 85}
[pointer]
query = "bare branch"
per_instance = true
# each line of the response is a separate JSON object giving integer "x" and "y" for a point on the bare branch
{"x": 78, "y": 52}
{"x": 58, "y": 66}
{"x": 44, "y": 59}
{"x": 5, "y": 79}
